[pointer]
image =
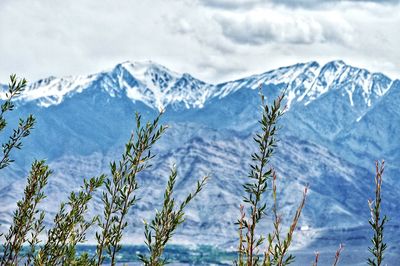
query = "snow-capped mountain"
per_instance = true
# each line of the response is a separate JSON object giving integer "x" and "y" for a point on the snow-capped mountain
{"x": 327, "y": 99}
{"x": 159, "y": 87}
{"x": 148, "y": 82}
{"x": 339, "y": 120}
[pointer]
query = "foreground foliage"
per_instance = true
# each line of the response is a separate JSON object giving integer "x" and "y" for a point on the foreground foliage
{"x": 261, "y": 175}
{"x": 377, "y": 223}
{"x": 161, "y": 228}
{"x": 120, "y": 187}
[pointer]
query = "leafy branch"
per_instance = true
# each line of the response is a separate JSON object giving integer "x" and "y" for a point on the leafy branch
{"x": 277, "y": 250}
{"x": 70, "y": 226}
{"x": 259, "y": 174}
{"x": 15, "y": 88}
{"x": 377, "y": 224}
{"x": 118, "y": 197}
{"x": 161, "y": 228}
{"x": 27, "y": 217}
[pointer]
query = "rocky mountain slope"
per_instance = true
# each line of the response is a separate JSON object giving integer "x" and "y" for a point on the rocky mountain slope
{"x": 339, "y": 120}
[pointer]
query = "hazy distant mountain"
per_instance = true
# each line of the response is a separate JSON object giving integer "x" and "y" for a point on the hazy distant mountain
{"x": 339, "y": 120}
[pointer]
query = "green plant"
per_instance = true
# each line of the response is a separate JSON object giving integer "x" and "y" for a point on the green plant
{"x": 260, "y": 174}
{"x": 277, "y": 251}
{"x": 27, "y": 218}
{"x": 377, "y": 224}
{"x": 70, "y": 226}
{"x": 118, "y": 197}
{"x": 161, "y": 228}
{"x": 15, "y": 88}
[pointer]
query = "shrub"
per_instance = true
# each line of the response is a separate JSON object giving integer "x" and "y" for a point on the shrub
{"x": 161, "y": 228}
{"x": 120, "y": 187}
{"x": 260, "y": 174}
{"x": 27, "y": 218}
{"x": 378, "y": 246}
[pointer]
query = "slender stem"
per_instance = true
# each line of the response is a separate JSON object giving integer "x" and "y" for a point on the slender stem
{"x": 125, "y": 206}
{"x": 255, "y": 205}
{"x": 105, "y": 233}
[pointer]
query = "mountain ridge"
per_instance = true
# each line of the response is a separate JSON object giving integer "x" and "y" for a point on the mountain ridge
{"x": 158, "y": 87}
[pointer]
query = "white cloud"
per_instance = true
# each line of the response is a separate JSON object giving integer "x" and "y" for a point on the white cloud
{"x": 214, "y": 40}
{"x": 231, "y": 4}
{"x": 268, "y": 26}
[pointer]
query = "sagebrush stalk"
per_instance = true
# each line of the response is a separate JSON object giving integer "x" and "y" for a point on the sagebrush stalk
{"x": 277, "y": 248}
{"x": 337, "y": 255}
{"x": 259, "y": 175}
{"x": 377, "y": 223}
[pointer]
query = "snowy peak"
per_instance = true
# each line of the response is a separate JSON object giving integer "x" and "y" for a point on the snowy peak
{"x": 359, "y": 85}
{"x": 159, "y": 87}
{"x": 362, "y": 86}
{"x": 306, "y": 82}
{"x": 283, "y": 75}
{"x": 147, "y": 70}
{"x": 52, "y": 90}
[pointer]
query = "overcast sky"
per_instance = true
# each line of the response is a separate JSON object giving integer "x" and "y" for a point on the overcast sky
{"x": 214, "y": 40}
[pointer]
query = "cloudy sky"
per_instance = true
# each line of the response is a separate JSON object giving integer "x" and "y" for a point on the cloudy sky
{"x": 214, "y": 40}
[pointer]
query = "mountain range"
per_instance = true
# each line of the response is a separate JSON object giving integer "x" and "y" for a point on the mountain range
{"x": 339, "y": 119}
